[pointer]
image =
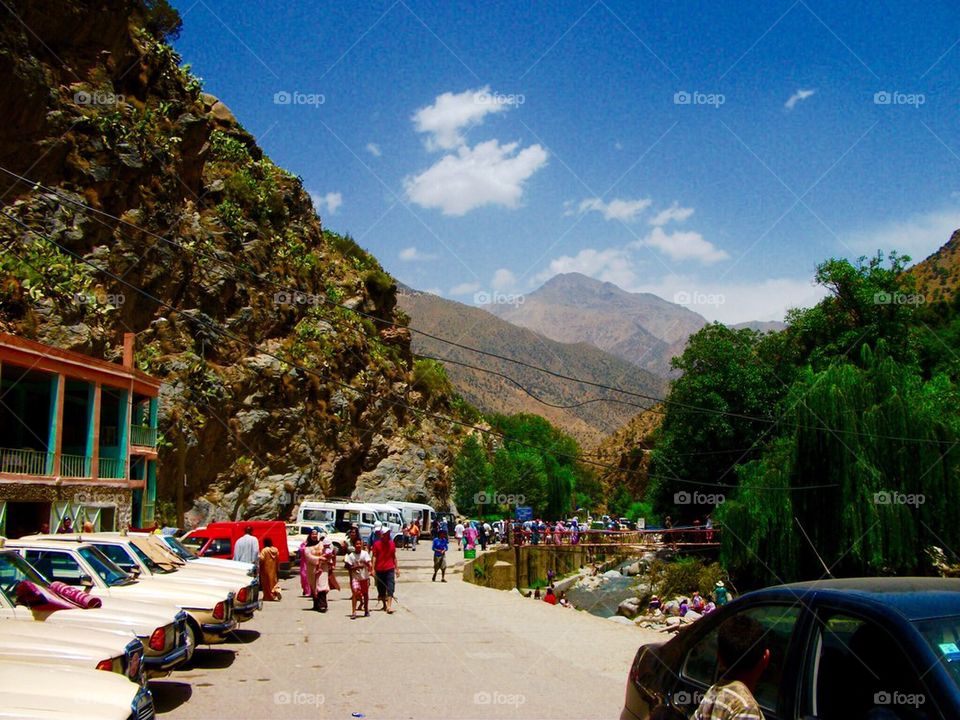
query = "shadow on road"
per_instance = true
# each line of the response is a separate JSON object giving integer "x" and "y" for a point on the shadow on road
{"x": 243, "y": 636}
{"x": 168, "y": 695}
{"x": 212, "y": 658}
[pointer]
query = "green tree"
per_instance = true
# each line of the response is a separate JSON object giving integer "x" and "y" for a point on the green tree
{"x": 471, "y": 474}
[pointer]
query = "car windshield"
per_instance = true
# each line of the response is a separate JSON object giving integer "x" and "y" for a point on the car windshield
{"x": 193, "y": 543}
{"x": 13, "y": 570}
{"x": 179, "y": 548}
{"x": 943, "y": 635}
{"x": 104, "y": 567}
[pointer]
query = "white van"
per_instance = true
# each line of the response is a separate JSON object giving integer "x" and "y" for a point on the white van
{"x": 416, "y": 511}
{"x": 341, "y": 513}
{"x": 390, "y": 516}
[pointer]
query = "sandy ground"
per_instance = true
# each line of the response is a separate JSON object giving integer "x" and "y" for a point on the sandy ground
{"x": 451, "y": 650}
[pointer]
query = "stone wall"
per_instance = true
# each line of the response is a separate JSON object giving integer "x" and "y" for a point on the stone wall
{"x": 75, "y": 496}
{"x": 507, "y": 568}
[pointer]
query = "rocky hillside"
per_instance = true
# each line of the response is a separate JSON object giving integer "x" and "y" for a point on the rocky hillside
{"x": 641, "y": 328}
{"x": 626, "y": 450}
{"x": 938, "y": 277}
{"x": 269, "y": 395}
{"x": 474, "y": 327}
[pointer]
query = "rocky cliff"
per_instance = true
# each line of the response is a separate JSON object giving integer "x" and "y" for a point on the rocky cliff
{"x": 287, "y": 369}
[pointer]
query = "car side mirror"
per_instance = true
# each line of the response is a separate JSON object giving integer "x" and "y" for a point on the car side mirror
{"x": 86, "y": 582}
{"x": 133, "y": 570}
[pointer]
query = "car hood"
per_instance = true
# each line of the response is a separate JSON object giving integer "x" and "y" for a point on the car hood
{"x": 61, "y": 692}
{"x": 34, "y": 638}
{"x": 237, "y": 578}
{"x": 198, "y": 580}
{"x": 181, "y": 594}
{"x": 236, "y": 565}
{"x": 108, "y": 617}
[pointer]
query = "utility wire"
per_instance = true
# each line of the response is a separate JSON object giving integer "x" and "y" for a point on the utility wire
{"x": 310, "y": 371}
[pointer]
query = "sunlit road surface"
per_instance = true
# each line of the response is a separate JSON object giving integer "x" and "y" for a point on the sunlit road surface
{"x": 451, "y": 650}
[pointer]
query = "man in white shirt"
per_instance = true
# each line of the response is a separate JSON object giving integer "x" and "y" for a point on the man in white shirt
{"x": 247, "y": 548}
{"x": 458, "y": 532}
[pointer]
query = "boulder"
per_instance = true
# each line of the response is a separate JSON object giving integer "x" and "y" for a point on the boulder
{"x": 673, "y": 621}
{"x": 612, "y": 574}
{"x": 629, "y": 607}
{"x": 620, "y": 619}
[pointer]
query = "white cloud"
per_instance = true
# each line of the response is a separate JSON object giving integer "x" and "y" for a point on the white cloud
{"x": 487, "y": 174}
{"x": 918, "y": 235}
{"x": 614, "y": 265}
{"x": 374, "y": 149}
{"x": 683, "y": 246}
{"x": 331, "y": 201}
{"x": 674, "y": 213}
{"x": 467, "y": 288}
{"x": 798, "y": 96}
{"x": 452, "y": 112}
{"x": 503, "y": 279}
{"x": 617, "y": 209}
{"x": 411, "y": 254}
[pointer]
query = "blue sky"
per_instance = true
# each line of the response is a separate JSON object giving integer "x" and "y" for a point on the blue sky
{"x": 712, "y": 153}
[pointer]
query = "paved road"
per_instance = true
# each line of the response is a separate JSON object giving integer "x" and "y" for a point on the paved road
{"x": 451, "y": 650}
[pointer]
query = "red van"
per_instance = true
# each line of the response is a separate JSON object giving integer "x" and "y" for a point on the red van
{"x": 216, "y": 539}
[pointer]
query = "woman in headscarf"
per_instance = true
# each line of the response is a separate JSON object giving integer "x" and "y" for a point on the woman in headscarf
{"x": 470, "y": 535}
{"x": 306, "y": 578}
{"x": 330, "y": 552}
{"x": 323, "y": 567}
{"x": 269, "y": 561}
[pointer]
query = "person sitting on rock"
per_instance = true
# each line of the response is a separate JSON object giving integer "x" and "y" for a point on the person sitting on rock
{"x": 696, "y": 602}
{"x": 550, "y": 597}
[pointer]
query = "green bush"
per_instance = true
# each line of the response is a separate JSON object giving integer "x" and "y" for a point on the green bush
{"x": 430, "y": 378}
{"x": 683, "y": 576}
{"x": 227, "y": 148}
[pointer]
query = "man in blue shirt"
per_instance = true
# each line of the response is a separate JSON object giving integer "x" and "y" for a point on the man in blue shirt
{"x": 440, "y": 546}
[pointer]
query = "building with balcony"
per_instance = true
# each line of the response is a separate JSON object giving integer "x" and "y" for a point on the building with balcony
{"x": 78, "y": 439}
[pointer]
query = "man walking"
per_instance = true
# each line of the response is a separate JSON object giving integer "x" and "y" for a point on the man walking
{"x": 247, "y": 548}
{"x": 440, "y": 546}
{"x": 385, "y": 568}
{"x": 458, "y": 531}
{"x": 414, "y": 534}
{"x": 358, "y": 565}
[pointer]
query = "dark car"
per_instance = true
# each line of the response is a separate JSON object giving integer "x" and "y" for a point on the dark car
{"x": 839, "y": 650}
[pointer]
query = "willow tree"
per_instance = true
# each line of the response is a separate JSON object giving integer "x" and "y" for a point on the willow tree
{"x": 871, "y": 466}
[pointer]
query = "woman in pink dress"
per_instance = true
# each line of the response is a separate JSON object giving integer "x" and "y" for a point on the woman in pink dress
{"x": 306, "y": 579}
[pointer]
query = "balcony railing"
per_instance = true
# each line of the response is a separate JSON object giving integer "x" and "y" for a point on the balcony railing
{"x": 143, "y": 435}
{"x": 112, "y": 468}
{"x": 75, "y": 466}
{"x": 26, "y": 462}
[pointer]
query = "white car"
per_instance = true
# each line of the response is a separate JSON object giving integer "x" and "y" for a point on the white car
{"x": 161, "y": 629}
{"x": 188, "y": 555}
{"x": 36, "y": 642}
{"x": 139, "y": 554}
{"x": 53, "y": 692}
{"x": 209, "y": 610}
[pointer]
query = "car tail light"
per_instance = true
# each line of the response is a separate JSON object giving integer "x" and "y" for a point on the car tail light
{"x": 242, "y": 595}
{"x": 105, "y": 665}
{"x": 158, "y": 640}
{"x": 219, "y": 611}
{"x": 635, "y": 665}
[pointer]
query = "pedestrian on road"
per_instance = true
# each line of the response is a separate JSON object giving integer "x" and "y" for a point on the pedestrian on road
{"x": 306, "y": 579}
{"x": 458, "y": 531}
{"x": 482, "y": 535}
{"x": 269, "y": 562}
{"x": 330, "y": 553}
{"x": 324, "y": 568}
{"x": 358, "y": 564}
{"x": 353, "y": 534}
{"x": 414, "y": 535}
{"x": 405, "y": 532}
{"x": 377, "y": 526}
{"x": 308, "y": 574}
{"x": 440, "y": 546}
{"x": 470, "y": 535}
{"x": 247, "y": 548}
{"x": 385, "y": 568}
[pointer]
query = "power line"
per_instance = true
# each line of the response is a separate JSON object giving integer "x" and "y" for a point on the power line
{"x": 417, "y": 411}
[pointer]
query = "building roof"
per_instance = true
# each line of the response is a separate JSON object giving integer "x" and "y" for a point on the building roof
{"x": 46, "y": 358}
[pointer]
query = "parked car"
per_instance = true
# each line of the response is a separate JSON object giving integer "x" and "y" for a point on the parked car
{"x": 65, "y": 693}
{"x": 216, "y": 540}
{"x": 838, "y": 649}
{"x": 139, "y": 555}
{"x": 160, "y": 628}
{"x": 189, "y": 555}
{"x": 36, "y": 642}
{"x": 297, "y": 534}
{"x": 209, "y": 610}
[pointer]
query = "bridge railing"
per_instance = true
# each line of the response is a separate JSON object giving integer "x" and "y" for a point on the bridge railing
{"x": 687, "y": 537}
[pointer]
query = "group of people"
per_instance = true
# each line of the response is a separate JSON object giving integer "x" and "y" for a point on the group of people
{"x": 267, "y": 559}
{"x": 535, "y": 532}
{"x": 375, "y": 557}
{"x": 550, "y": 596}
{"x": 695, "y": 603}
